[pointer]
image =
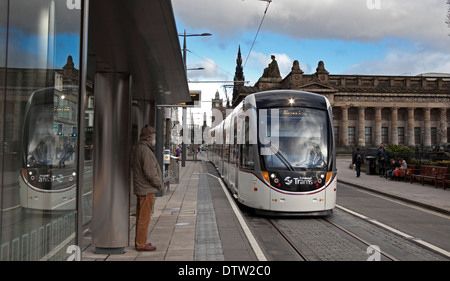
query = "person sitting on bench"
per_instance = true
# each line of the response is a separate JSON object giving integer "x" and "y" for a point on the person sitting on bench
{"x": 400, "y": 171}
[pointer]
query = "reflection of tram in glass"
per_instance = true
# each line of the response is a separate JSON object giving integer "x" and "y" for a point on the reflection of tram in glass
{"x": 48, "y": 172}
{"x": 276, "y": 152}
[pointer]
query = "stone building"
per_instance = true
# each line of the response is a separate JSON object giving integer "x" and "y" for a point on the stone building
{"x": 372, "y": 109}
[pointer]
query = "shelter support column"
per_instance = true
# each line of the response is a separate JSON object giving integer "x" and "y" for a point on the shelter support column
{"x": 112, "y": 141}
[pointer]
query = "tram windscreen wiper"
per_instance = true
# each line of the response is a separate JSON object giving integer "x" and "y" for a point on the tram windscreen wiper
{"x": 282, "y": 157}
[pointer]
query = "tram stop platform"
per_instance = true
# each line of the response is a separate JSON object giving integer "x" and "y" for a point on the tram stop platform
{"x": 195, "y": 220}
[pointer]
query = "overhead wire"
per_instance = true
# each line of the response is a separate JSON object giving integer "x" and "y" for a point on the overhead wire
{"x": 208, "y": 61}
{"x": 251, "y": 48}
{"x": 259, "y": 28}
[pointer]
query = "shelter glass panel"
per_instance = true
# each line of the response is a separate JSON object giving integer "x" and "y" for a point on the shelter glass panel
{"x": 39, "y": 70}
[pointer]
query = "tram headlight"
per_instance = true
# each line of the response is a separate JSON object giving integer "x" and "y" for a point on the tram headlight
{"x": 321, "y": 176}
{"x": 272, "y": 178}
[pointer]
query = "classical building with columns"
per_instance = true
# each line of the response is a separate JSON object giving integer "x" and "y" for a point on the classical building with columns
{"x": 372, "y": 109}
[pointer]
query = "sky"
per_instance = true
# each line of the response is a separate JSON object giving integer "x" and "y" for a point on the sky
{"x": 367, "y": 37}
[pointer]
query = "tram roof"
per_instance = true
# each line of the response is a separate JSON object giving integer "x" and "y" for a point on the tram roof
{"x": 280, "y": 98}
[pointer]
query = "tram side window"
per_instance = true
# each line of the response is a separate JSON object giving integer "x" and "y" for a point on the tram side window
{"x": 233, "y": 146}
{"x": 246, "y": 159}
{"x": 226, "y": 146}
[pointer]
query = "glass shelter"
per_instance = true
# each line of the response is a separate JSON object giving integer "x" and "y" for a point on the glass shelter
{"x": 75, "y": 76}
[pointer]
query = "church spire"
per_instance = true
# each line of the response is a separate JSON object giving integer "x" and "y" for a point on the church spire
{"x": 239, "y": 74}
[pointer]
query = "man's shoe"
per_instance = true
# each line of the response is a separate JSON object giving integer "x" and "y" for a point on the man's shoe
{"x": 148, "y": 247}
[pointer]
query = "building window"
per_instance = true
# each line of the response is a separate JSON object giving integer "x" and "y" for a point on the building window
{"x": 434, "y": 135}
{"x": 351, "y": 135}
{"x": 401, "y": 135}
{"x": 385, "y": 135}
{"x": 368, "y": 135}
{"x": 417, "y": 135}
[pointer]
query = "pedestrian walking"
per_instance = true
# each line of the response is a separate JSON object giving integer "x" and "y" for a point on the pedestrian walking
{"x": 147, "y": 180}
{"x": 357, "y": 160}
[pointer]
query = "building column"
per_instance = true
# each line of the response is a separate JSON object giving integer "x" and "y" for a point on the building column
{"x": 344, "y": 125}
{"x": 377, "y": 133}
{"x": 410, "y": 127}
{"x": 361, "y": 126}
{"x": 427, "y": 132}
{"x": 394, "y": 125}
{"x": 443, "y": 126}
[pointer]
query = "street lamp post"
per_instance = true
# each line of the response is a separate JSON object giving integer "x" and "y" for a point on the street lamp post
{"x": 183, "y": 146}
{"x": 184, "y": 43}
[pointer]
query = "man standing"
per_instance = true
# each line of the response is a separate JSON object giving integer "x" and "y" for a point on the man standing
{"x": 147, "y": 180}
{"x": 382, "y": 155}
{"x": 357, "y": 160}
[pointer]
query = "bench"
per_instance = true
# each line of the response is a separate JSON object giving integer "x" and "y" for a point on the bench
{"x": 410, "y": 170}
{"x": 433, "y": 173}
{"x": 445, "y": 180}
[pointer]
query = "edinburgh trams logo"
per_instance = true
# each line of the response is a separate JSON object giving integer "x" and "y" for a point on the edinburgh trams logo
{"x": 288, "y": 180}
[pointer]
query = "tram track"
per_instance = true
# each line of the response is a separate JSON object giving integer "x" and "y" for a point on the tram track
{"x": 287, "y": 240}
{"x": 382, "y": 253}
{"x": 308, "y": 252}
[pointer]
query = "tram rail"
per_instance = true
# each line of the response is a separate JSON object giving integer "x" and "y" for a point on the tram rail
{"x": 307, "y": 253}
{"x": 386, "y": 255}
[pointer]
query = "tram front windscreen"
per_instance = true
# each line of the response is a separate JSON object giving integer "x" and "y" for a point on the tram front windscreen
{"x": 297, "y": 137}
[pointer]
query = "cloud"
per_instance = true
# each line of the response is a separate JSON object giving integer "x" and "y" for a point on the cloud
{"x": 358, "y": 20}
{"x": 30, "y": 17}
{"x": 211, "y": 70}
{"x": 260, "y": 61}
{"x": 401, "y": 62}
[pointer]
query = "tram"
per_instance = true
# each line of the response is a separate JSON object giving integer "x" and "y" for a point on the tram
{"x": 276, "y": 153}
{"x": 47, "y": 177}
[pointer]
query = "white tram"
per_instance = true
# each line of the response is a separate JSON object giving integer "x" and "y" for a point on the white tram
{"x": 47, "y": 177}
{"x": 276, "y": 153}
